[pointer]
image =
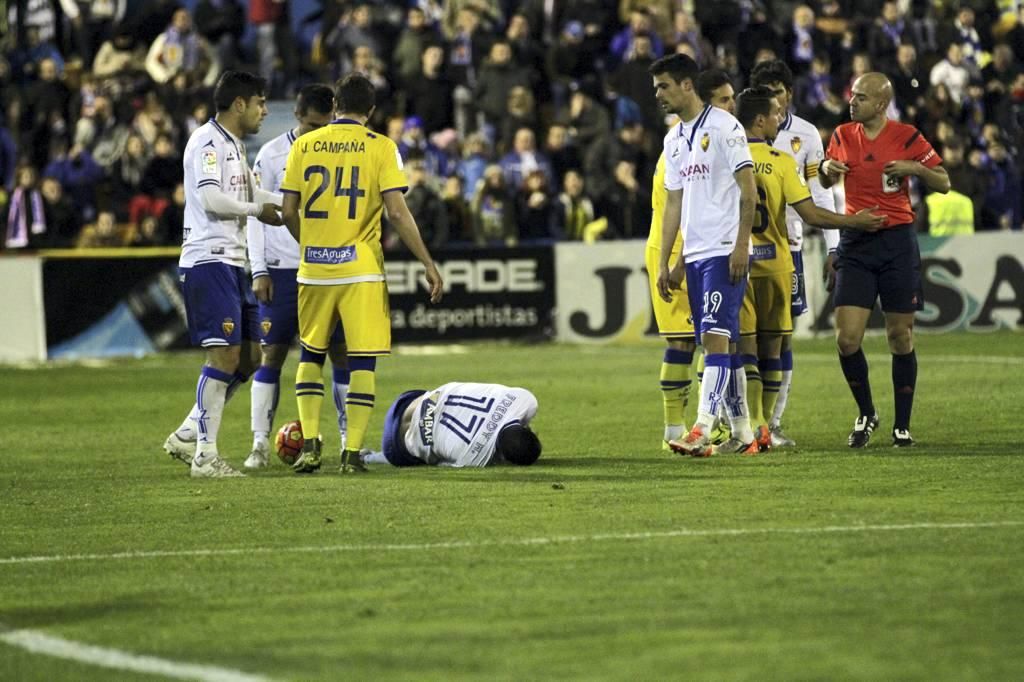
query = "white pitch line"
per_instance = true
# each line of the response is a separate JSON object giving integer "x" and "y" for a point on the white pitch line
{"x": 40, "y": 643}
{"x": 514, "y": 542}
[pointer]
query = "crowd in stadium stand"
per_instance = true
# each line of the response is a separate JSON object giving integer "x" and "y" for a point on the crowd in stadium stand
{"x": 519, "y": 120}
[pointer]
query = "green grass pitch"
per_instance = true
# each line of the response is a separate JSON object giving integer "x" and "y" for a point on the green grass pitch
{"x": 609, "y": 559}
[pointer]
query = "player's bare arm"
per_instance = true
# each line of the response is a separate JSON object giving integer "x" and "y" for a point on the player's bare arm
{"x": 669, "y": 229}
{"x": 739, "y": 259}
{"x": 864, "y": 219}
{"x": 936, "y": 179}
{"x": 263, "y": 288}
{"x": 290, "y": 213}
{"x": 409, "y": 233}
{"x": 831, "y": 171}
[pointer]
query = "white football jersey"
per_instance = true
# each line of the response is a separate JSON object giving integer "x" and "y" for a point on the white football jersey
{"x": 700, "y": 158}
{"x": 457, "y": 424}
{"x": 271, "y": 246}
{"x": 800, "y": 139}
{"x": 214, "y": 158}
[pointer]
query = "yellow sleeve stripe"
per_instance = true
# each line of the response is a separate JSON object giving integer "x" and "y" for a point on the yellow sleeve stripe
{"x": 811, "y": 171}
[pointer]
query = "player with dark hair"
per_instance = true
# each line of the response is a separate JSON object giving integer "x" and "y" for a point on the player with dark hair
{"x": 338, "y": 181}
{"x": 766, "y": 318}
{"x": 460, "y": 425}
{"x": 875, "y": 157}
{"x": 715, "y": 88}
{"x": 274, "y": 255}
{"x": 220, "y": 194}
{"x": 707, "y": 154}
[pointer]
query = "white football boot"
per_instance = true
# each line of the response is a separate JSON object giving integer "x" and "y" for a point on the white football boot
{"x": 213, "y": 467}
{"x": 179, "y": 448}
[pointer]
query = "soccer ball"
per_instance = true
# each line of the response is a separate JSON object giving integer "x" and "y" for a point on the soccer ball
{"x": 289, "y": 442}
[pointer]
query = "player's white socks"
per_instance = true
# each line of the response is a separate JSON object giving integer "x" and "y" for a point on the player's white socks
{"x": 266, "y": 390}
{"x": 187, "y": 430}
{"x": 342, "y": 377}
{"x": 736, "y": 402}
{"x": 674, "y": 431}
{"x": 211, "y": 395}
{"x": 787, "y": 380}
{"x": 717, "y": 371}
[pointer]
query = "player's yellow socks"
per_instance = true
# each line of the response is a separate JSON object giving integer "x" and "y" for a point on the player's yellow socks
{"x": 675, "y": 384}
{"x": 309, "y": 392}
{"x": 700, "y": 371}
{"x": 754, "y": 390}
{"x": 359, "y": 401}
{"x": 771, "y": 377}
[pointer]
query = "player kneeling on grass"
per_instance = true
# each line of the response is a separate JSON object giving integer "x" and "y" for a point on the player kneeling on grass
{"x": 460, "y": 425}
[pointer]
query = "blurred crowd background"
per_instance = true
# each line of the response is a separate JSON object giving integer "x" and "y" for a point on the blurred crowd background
{"x": 518, "y": 120}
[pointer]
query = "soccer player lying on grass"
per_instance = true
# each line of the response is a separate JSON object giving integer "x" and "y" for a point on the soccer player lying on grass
{"x": 460, "y": 425}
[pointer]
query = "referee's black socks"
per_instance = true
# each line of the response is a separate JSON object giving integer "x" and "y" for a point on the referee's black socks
{"x": 904, "y": 380}
{"x": 855, "y": 369}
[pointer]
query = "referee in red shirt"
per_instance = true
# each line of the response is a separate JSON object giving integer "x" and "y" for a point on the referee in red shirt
{"x": 875, "y": 157}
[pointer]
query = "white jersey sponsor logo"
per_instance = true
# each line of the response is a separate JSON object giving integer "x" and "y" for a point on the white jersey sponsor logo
{"x": 214, "y": 158}
{"x": 701, "y": 157}
{"x": 458, "y": 424}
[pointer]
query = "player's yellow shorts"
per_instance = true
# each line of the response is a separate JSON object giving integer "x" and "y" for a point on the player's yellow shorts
{"x": 767, "y": 305}
{"x": 362, "y": 308}
{"x": 674, "y": 319}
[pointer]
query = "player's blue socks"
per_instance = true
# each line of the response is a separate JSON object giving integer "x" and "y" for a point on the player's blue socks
{"x": 266, "y": 391}
{"x": 855, "y": 369}
{"x": 211, "y": 395}
{"x": 342, "y": 377}
{"x": 904, "y": 380}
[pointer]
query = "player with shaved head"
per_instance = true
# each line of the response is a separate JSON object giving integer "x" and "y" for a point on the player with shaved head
{"x": 875, "y": 158}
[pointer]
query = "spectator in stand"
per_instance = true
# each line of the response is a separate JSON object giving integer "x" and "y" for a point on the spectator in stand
{"x": 460, "y": 217}
{"x": 415, "y": 144}
{"x": 180, "y": 50}
{"x": 523, "y": 159}
{"x": 172, "y": 220}
{"x": 163, "y": 173}
{"x": 125, "y": 181}
{"x": 489, "y": 12}
{"x": 79, "y": 175}
{"x": 26, "y": 213}
{"x": 640, "y": 24}
{"x": 147, "y": 233}
{"x": 62, "y": 219}
{"x": 908, "y": 83}
{"x": 1003, "y": 201}
{"x": 527, "y": 52}
{"x": 660, "y": 12}
{"x": 92, "y": 22}
{"x": 45, "y": 112}
{"x": 354, "y": 29}
{"x": 222, "y": 23}
{"x": 8, "y": 158}
{"x": 426, "y": 207}
{"x": 415, "y": 38}
{"x": 562, "y": 154}
{"x": 886, "y": 34}
{"x": 122, "y": 58}
{"x": 814, "y": 87}
{"x": 466, "y": 49}
{"x": 476, "y": 156}
{"x": 964, "y": 35}
{"x": 39, "y": 14}
{"x": 366, "y": 62}
{"x": 601, "y": 162}
{"x": 273, "y": 44}
{"x": 567, "y": 62}
{"x": 630, "y": 80}
{"x": 628, "y": 205}
{"x": 952, "y": 73}
{"x": 536, "y": 212}
{"x": 104, "y": 233}
{"x": 152, "y": 120}
{"x": 576, "y": 208}
{"x": 101, "y": 133}
{"x": 963, "y": 178}
{"x": 802, "y": 40}
{"x": 589, "y": 121}
{"x": 520, "y": 112}
{"x": 429, "y": 95}
{"x": 26, "y": 59}
{"x": 198, "y": 115}
{"x": 498, "y": 76}
{"x": 686, "y": 30}
{"x": 493, "y": 210}
{"x": 998, "y": 76}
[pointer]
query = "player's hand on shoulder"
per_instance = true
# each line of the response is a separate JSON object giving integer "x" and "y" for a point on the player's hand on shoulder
{"x": 435, "y": 282}
{"x": 902, "y": 168}
{"x": 834, "y": 169}
{"x": 263, "y": 288}
{"x": 866, "y": 219}
{"x": 269, "y": 215}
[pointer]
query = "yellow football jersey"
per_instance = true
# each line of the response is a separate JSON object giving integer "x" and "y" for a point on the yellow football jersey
{"x": 779, "y": 182}
{"x": 340, "y": 173}
{"x": 659, "y": 195}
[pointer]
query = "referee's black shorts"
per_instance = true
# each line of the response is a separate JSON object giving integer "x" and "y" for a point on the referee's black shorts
{"x": 882, "y": 265}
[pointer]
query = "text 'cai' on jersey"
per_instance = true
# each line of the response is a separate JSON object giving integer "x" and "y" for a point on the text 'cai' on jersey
{"x": 340, "y": 173}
